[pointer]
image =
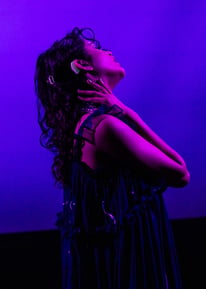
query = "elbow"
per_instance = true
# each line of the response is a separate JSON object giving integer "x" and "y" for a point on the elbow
{"x": 185, "y": 179}
{"x": 179, "y": 182}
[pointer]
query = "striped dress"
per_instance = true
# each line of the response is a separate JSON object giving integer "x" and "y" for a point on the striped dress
{"x": 115, "y": 231}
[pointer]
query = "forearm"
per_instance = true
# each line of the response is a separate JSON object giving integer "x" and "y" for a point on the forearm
{"x": 146, "y": 132}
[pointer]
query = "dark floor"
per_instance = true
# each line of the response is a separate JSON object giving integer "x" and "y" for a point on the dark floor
{"x": 32, "y": 259}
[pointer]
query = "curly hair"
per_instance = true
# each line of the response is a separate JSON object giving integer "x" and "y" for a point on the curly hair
{"x": 57, "y": 103}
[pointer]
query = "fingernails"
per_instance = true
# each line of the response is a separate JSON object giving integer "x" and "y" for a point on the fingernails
{"x": 101, "y": 80}
{"x": 89, "y": 81}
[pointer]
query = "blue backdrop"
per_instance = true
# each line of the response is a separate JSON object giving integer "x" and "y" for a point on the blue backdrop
{"x": 161, "y": 44}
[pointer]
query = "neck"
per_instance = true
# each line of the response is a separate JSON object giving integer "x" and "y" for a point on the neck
{"x": 111, "y": 81}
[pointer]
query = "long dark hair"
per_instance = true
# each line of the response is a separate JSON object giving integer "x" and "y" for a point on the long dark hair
{"x": 57, "y": 103}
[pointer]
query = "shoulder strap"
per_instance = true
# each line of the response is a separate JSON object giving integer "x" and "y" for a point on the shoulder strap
{"x": 87, "y": 129}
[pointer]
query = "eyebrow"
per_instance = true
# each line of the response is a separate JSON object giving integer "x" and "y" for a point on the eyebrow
{"x": 97, "y": 45}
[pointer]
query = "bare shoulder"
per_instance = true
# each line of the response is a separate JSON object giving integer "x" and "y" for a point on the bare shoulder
{"x": 110, "y": 133}
{"x": 98, "y": 118}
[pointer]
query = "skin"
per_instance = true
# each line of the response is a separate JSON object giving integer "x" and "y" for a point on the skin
{"x": 116, "y": 138}
{"x": 103, "y": 65}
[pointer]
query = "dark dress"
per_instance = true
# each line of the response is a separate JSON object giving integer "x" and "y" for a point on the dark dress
{"x": 115, "y": 231}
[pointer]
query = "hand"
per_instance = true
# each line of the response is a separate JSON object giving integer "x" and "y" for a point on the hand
{"x": 101, "y": 94}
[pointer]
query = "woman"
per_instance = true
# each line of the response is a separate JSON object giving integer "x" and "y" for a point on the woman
{"x": 113, "y": 170}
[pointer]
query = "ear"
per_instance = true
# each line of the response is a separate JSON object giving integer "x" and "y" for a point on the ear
{"x": 79, "y": 64}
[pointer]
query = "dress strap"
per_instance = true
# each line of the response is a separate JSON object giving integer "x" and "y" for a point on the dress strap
{"x": 87, "y": 129}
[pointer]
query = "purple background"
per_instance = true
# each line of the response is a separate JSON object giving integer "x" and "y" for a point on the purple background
{"x": 162, "y": 46}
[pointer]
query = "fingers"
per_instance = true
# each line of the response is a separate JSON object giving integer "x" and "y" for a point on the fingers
{"x": 95, "y": 85}
{"x": 89, "y": 92}
{"x": 93, "y": 99}
{"x": 102, "y": 87}
{"x": 88, "y": 95}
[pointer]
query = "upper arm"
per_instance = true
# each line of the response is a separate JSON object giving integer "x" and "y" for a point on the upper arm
{"x": 119, "y": 141}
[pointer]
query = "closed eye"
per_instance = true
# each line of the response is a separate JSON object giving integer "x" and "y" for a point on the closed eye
{"x": 97, "y": 45}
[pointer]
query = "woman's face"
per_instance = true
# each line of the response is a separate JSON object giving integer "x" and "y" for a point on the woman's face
{"x": 102, "y": 65}
{"x": 104, "y": 62}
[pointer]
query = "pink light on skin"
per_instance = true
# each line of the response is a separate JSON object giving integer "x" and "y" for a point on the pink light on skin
{"x": 103, "y": 65}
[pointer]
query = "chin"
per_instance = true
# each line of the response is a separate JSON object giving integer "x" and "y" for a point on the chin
{"x": 122, "y": 72}
{"x": 117, "y": 73}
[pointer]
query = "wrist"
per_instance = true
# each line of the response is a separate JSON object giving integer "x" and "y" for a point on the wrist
{"x": 125, "y": 109}
{"x": 120, "y": 104}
